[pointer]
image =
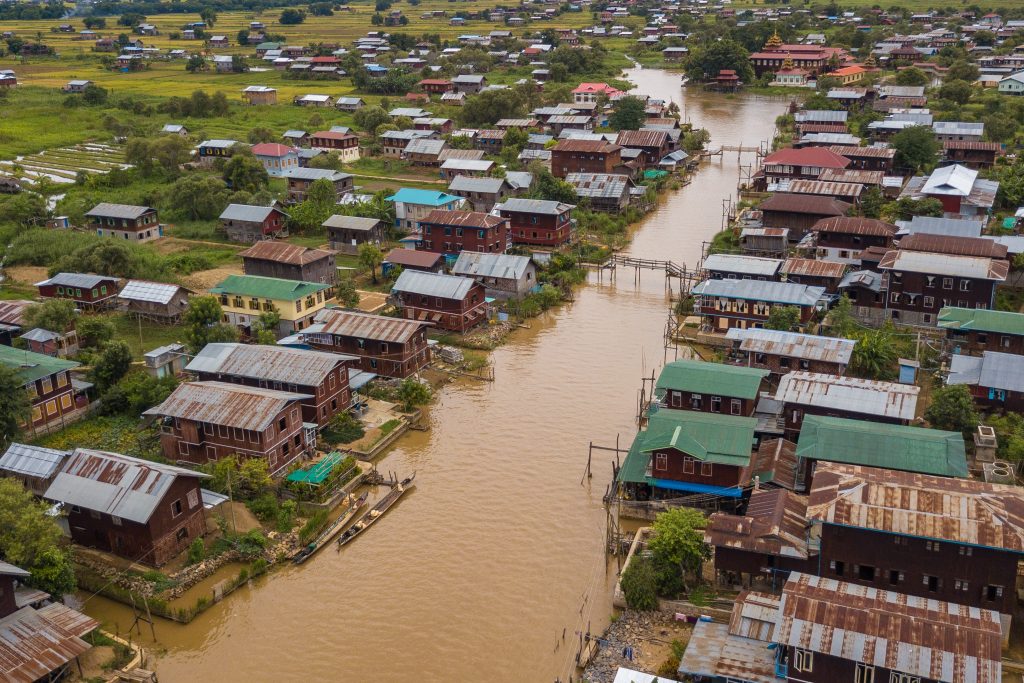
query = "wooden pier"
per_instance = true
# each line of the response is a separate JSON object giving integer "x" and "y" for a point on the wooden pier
{"x": 687, "y": 278}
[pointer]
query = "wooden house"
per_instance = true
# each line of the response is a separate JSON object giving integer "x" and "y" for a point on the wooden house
{"x": 90, "y": 292}
{"x": 244, "y": 297}
{"x": 799, "y": 212}
{"x": 503, "y": 276}
{"x": 606, "y": 192}
{"x": 251, "y": 224}
{"x": 202, "y": 422}
{"x": 211, "y": 150}
{"x": 270, "y": 258}
{"x": 346, "y": 233}
{"x": 972, "y": 153}
{"x": 322, "y": 377}
{"x": 724, "y": 304}
{"x": 653, "y": 144}
{"x": 11, "y": 319}
{"x": 34, "y": 466}
{"x": 537, "y": 222}
{"x": 124, "y": 222}
{"x": 973, "y": 331}
{"x": 452, "y": 303}
{"x": 259, "y": 94}
{"x": 345, "y": 145}
{"x": 841, "y": 239}
{"x": 584, "y": 156}
{"x": 145, "y": 511}
{"x": 741, "y": 267}
{"x": 781, "y": 352}
{"x": 481, "y": 193}
{"x": 993, "y": 379}
{"x": 806, "y": 163}
{"x": 382, "y": 345}
{"x": 437, "y": 86}
{"x": 867, "y": 158}
{"x": 300, "y": 179}
{"x": 709, "y": 387}
{"x": 411, "y": 259}
{"x": 451, "y": 232}
{"x": 806, "y": 271}
{"x": 423, "y": 151}
{"x": 55, "y": 401}
{"x": 157, "y": 301}
{"x": 804, "y": 393}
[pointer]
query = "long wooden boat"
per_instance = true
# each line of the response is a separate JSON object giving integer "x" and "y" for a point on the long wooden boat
{"x": 354, "y": 505}
{"x": 377, "y": 511}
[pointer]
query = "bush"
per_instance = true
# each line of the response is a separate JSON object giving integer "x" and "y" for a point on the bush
{"x": 196, "y": 551}
{"x": 313, "y": 526}
{"x": 639, "y": 584}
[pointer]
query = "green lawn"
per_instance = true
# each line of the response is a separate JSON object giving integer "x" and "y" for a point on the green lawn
{"x": 144, "y": 336}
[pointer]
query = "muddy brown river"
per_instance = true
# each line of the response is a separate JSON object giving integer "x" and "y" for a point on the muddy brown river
{"x": 475, "y": 575}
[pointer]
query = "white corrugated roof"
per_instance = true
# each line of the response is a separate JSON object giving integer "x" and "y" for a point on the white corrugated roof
{"x": 143, "y": 290}
{"x": 864, "y": 396}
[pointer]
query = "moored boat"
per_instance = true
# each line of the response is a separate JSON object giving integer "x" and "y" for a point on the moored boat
{"x": 377, "y": 511}
{"x": 354, "y": 505}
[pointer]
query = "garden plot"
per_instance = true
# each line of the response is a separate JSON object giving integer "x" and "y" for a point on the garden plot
{"x": 63, "y": 164}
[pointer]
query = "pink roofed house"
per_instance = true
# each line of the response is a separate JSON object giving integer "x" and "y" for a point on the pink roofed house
{"x": 277, "y": 159}
{"x": 589, "y": 92}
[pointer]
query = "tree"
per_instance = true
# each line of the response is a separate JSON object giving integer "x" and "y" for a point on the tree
{"x": 242, "y": 37}
{"x": 15, "y": 408}
{"x": 369, "y": 118}
{"x": 347, "y": 294}
{"x": 413, "y": 393}
{"x": 905, "y": 208}
{"x": 547, "y": 186}
{"x": 956, "y": 91}
{"x": 916, "y": 148}
{"x": 962, "y": 71}
{"x": 30, "y": 538}
{"x": 629, "y": 114}
{"x": 131, "y": 19}
{"x": 93, "y": 331}
{"x": 202, "y": 322}
{"x": 491, "y": 105}
{"x": 321, "y": 9}
{"x": 639, "y": 584}
{"x": 952, "y": 408}
{"x": 137, "y": 392}
{"x": 24, "y": 208}
{"x": 208, "y": 15}
{"x": 875, "y": 355}
{"x": 265, "y": 329}
{"x": 322, "y": 193}
{"x": 706, "y": 61}
{"x": 1011, "y": 185}
{"x": 94, "y": 94}
{"x": 260, "y": 134}
{"x": 871, "y": 203}
{"x": 840, "y": 319}
{"x": 785, "y": 318}
{"x": 370, "y": 256}
{"x": 910, "y": 76}
{"x": 197, "y": 197}
{"x": 678, "y": 539}
{"x": 244, "y": 172}
{"x": 292, "y": 17}
{"x": 238, "y": 64}
{"x": 113, "y": 364}
{"x": 95, "y": 22}
{"x": 55, "y": 315}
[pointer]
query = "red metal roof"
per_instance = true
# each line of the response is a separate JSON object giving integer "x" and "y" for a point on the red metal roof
{"x": 416, "y": 259}
{"x": 805, "y": 203}
{"x": 272, "y": 149}
{"x": 852, "y": 225}
{"x": 283, "y": 252}
{"x": 807, "y": 156}
{"x": 471, "y": 219}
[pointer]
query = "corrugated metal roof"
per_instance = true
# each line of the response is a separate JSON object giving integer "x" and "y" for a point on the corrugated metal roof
{"x": 8, "y": 569}
{"x": 40, "y": 335}
{"x": 809, "y": 267}
{"x": 761, "y": 290}
{"x": 425, "y": 146}
{"x": 365, "y": 326}
{"x": 541, "y": 206}
{"x": 793, "y": 344}
{"x": 464, "y": 183}
{"x": 955, "y": 180}
{"x": 712, "y": 651}
{"x": 476, "y": 165}
{"x": 599, "y": 185}
{"x": 581, "y": 145}
{"x": 908, "y": 634}
{"x": 433, "y": 284}
{"x": 468, "y": 219}
{"x": 307, "y": 173}
{"x": 127, "y": 211}
{"x": 482, "y": 265}
{"x": 32, "y": 646}
{"x": 868, "y": 279}
{"x": 958, "y": 128}
{"x": 31, "y": 366}
{"x": 246, "y": 213}
{"x": 710, "y": 378}
{"x": 231, "y": 405}
{"x": 12, "y": 310}
{"x": 351, "y": 222}
{"x": 739, "y": 263}
{"x": 956, "y": 246}
{"x": 82, "y": 280}
{"x": 864, "y": 396}
{"x": 805, "y": 203}
{"x": 974, "y": 267}
{"x": 32, "y": 461}
{"x": 155, "y": 292}
{"x": 992, "y": 370}
{"x": 821, "y": 116}
{"x": 949, "y": 509}
{"x": 272, "y": 363}
{"x": 983, "y": 320}
{"x": 829, "y": 189}
{"x": 959, "y": 227}
{"x": 708, "y": 437}
{"x": 284, "y": 252}
{"x": 754, "y": 614}
{"x": 775, "y": 523}
{"x": 850, "y": 151}
{"x": 855, "y": 226}
{"x": 410, "y": 195}
{"x": 72, "y": 621}
{"x": 447, "y": 154}
{"x": 642, "y": 138}
{"x": 114, "y": 484}
{"x": 851, "y": 175}
{"x": 277, "y": 289}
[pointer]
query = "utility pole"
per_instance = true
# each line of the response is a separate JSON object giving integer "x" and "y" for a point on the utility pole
{"x": 231, "y": 502}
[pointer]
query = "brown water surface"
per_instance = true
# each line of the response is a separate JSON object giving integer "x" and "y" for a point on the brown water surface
{"x": 476, "y": 573}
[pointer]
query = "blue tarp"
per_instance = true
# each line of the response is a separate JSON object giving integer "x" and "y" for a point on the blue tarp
{"x": 728, "y": 492}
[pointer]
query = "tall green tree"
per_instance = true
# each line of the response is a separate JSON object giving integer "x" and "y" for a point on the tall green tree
{"x": 15, "y": 409}
{"x": 113, "y": 364}
{"x": 952, "y": 408}
{"x": 31, "y": 539}
{"x": 785, "y": 318}
{"x": 370, "y": 256}
{"x": 56, "y": 315}
{"x": 706, "y": 61}
{"x": 678, "y": 540}
{"x": 875, "y": 355}
{"x": 202, "y": 322}
{"x": 629, "y": 114}
{"x": 244, "y": 172}
{"x": 916, "y": 148}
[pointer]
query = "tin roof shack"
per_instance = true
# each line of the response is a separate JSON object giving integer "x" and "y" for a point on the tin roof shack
{"x": 452, "y": 303}
{"x": 972, "y": 331}
{"x": 202, "y": 422}
{"x": 346, "y": 233}
{"x": 287, "y": 261}
{"x": 841, "y": 239}
{"x": 250, "y": 224}
{"x": 790, "y": 164}
{"x": 765, "y": 241}
{"x": 972, "y": 154}
{"x": 37, "y": 643}
{"x": 321, "y": 376}
{"x": 741, "y": 267}
{"x": 866, "y": 291}
{"x": 959, "y": 188}
{"x": 452, "y": 232}
{"x": 812, "y": 393}
{"x": 33, "y": 466}
{"x": 409, "y": 259}
{"x": 11, "y": 323}
{"x": 141, "y": 510}
{"x": 245, "y": 297}
{"x": 88, "y": 291}
{"x": 167, "y": 360}
{"x": 156, "y": 301}
{"x": 382, "y": 345}
{"x": 299, "y": 180}
{"x": 935, "y": 537}
{"x": 708, "y": 387}
{"x": 604, "y": 192}
{"x": 881, "y": 635}
{"x": 799, "y": 212}
{"x": 481, "y": 193}
{"x": 921, "y": 283}
{"x": 653, "y": 144}
{"x": 584, "y": 156}
{"x": 537, "y": 222}
{"x": 724, "y": 304}
{"x": 48, "y": 382}
{"x": 683, "y": 452}
{"x": 781, "y": 352}
{"x": 126, "y": 222}
{"x": 996, "y": 380}
{"x": 867, "y": 158}
{"x": 807, "y": 271}
{"x": 504, "y": 276}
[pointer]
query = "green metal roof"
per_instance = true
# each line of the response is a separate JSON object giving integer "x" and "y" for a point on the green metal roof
{"x": 981, "y": 319}
{"x": 710, "y": 378}
{"x": 267, "y": 287}
{"x": 32, "y": 366}
{"x": 873, "y": 444}
{"x": 318, "y": 471}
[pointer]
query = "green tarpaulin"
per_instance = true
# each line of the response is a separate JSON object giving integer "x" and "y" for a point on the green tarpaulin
{"x": 319, "y": 471}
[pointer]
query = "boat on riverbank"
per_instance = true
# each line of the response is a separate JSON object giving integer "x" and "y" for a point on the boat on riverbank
{"x": 377, "y": 511}
{"x": 355, "y": 504}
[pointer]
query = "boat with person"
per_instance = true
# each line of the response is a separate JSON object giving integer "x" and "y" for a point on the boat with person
{"x": 354, "y": 505}
{"x": 377, "y": 511}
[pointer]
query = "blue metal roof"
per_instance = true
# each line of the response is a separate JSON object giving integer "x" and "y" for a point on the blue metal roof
{"x": 728, "y": 492}
{"x": 427, "y": 197}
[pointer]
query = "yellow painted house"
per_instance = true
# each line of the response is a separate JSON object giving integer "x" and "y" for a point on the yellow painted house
{"x": 245, "y": 297}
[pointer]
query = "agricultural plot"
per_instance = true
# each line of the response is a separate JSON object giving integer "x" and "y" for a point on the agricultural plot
{"x": 63, "y": 164}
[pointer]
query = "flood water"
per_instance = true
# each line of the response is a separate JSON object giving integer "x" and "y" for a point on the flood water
{"x": 499, "y": 549}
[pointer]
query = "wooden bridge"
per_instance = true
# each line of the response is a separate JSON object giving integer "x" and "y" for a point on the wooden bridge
{"x": 687, "y": 277}
{"x": 739, "y": 149}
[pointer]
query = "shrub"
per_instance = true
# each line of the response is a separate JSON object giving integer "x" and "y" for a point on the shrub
{"x": 196, "y": 551}
{"x": 639, "y": 584}
{"x": 313, "y": 526}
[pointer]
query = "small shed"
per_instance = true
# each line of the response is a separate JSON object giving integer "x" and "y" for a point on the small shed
{"x": 157, "y": 301}
{"x": 346, "y": 233}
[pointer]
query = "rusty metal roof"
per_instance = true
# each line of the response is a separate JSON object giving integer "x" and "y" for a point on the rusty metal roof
{"x": 32, "y": 646}
{"x": 805, "y": 203}
{"x": 642, "y": 138}
{"x": 853, "y": 394}
{"x": 852, "y": 175}
{"x": 775, "y": 524}
{"x": 793, "y": 344}
{"x": 929, "y": 263}
{"x": 11, "y": 311}
{"x": 827, "y": 189}
{"x": 231, "y": 405}
{"x": 70, "y": 620}
{"x": 928, "y": 506}
{"x": 754, "y": 615}
{"x": 908, "y": 634}
{"x": 956, "y": 246}
{"x": 284, "y": 252}
{"x": 301, "y": 367}
{"x": 872, "y": 152}
{"x": 713, "y": 652}
{"x": 114, "y": 484}
{"x": 813, "y": 268}
{"x": 587, "y": 146}
{"x": 773, "y": 462}
{"x": 849, "y": 225}
{"x": 365, "y": 326}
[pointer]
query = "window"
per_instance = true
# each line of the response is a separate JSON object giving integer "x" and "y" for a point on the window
{"x": 687, "y": 465}
{"x": 896, "y": 677}
{"x": 716, "y": 404}
{"x": 51, "y": 407}
{"x": 706, "y": 469}
{"x": 661, "y": 461}
{"x": 865, "y": 572}
{"x": 282, "y": 424}
{"x": 929, "y": 281}
{"x": 115, "y": 520}
{"x": 676, "y": 398}
{"x": 696, "y": 401}
{"x": 864, "y": 673}
{"x": 961, "y": 585}
{"x": 62, "y": 378}
{"x": 803, "y": 660}
{"x": 285, "y": 448}
{"x": 176, "y": 508}
{"x": 932, "y": 546}
{"x": 783, "y": 362}
{"x": 298, "y": 306}
{"x": 735, "y": 406}
{"x": 47, "y": 385}
{"x": 966, "y": 550}
{"x": 933, "y": 583}
{"x": 895, "y": 577}
{"x": 193, "y": 499}
{"x": 965, "y": 285}
{"x": 223, "y": 431}
{"x": 894, "y": 297}
{"x": 993, "y": 593}
{"x": 837, "y": 566}
{"x": 181, "y": 534}
{"x": 65, "y": 401}
{"x": 899, "y": 540}
{"x": 947, "y": 283}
